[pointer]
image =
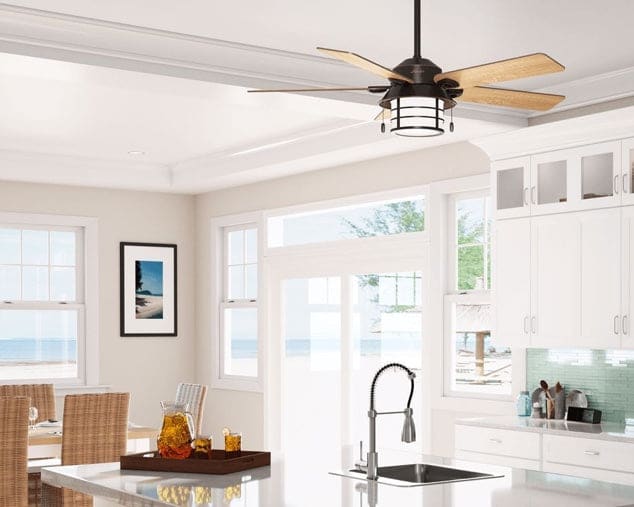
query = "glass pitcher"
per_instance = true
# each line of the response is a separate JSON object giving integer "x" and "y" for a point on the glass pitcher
{"x": 177, "y": 432}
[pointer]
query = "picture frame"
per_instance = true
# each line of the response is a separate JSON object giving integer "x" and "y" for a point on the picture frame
{"x": 148, "y": 289}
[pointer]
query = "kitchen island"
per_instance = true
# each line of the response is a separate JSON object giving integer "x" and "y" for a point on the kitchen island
{"x": 269, "y": 486}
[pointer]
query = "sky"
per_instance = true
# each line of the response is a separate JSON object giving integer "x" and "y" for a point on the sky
{"x": 152, "y": 276}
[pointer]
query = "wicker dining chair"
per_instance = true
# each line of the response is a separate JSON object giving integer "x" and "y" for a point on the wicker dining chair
{"x": 42, "y": 397}
{"x": 14, "y": 435}
{"x": 95, "y": 431}
{"x": 194, "y": 395}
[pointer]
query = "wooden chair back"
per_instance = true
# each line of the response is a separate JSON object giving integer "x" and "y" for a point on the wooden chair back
{"x": 14, "y": 428}
{"x": 194, "y": 395}
{"x": 42, "y": 397}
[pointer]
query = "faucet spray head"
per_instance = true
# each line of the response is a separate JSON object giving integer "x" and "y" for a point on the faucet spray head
{"x": 408, "y": 434}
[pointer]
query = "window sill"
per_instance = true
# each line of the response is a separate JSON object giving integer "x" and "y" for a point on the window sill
{"x": 64, "y": 389}
{"x": 238, "y": 384}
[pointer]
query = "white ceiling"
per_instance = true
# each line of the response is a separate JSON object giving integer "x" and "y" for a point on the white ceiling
{"x": 189, "y": 112}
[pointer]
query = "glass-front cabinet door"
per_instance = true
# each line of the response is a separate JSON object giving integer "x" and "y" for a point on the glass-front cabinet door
{"x": 627, "y": 171}
{"x": 600, "y": 182}
{"x": 511, "y": 182}
{"x": 550, "y": 182}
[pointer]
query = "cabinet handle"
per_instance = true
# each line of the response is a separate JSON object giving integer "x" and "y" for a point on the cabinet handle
{"x": 592, "y": 453}
{"x": 533, "y": 195}
{"x": 616, "y": 184}
{"x": 616, "y": 324}
{"x": 525, "y": 196}
{"x": 625, "y": 179}
{"x": 495, "y": 440}
{"x": 533, "y": 324}
{"x": 624, "y": 324}
{"x": 526, "y": 325}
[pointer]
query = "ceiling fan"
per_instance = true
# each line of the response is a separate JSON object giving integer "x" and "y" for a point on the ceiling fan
{"x": 419, "y": 93}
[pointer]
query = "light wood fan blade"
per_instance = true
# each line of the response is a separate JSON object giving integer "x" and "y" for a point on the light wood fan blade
{"x": 503, "y": 70}
{"x": 510, "y": 98}
{"x": 365, "y": 64}
{"x": 299, "y": 90}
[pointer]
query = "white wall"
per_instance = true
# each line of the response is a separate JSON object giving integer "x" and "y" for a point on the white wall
{"x": 245, "y": 411}
{"x": 149, "y": 368}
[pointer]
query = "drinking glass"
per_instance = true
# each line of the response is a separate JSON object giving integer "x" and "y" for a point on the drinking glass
{"x": 33, "y": 416}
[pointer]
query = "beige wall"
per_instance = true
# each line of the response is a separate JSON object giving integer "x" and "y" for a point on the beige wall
{"x": 149, "y": 368}
{"x": 245, "y": 411}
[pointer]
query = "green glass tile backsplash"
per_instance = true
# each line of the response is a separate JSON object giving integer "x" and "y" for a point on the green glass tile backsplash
{"x": 606, "y": 376}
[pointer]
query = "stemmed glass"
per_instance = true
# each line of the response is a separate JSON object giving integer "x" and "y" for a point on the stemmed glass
{"x": 33, "y": 413}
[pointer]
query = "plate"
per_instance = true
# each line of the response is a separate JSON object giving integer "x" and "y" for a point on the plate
{"x": 576, "y": 398}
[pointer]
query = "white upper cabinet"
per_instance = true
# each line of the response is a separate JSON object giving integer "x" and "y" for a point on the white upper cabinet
{"x": 511, "y": 281}
{"x": 600, "y": 278}
{"x": 599, "y": 182}
{"x": 552, "y": 177}
{"x": 627, "y": 171}
{"x": 555, "y": 280}
{"x": 511, "y": 184}
{"x": 627, "y": 276}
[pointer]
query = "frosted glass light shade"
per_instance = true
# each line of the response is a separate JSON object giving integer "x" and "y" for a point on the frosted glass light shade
{"x": 417, "y": 116}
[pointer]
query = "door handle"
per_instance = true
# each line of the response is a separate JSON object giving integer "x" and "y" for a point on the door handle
{"x": 616, "y": 184}
{"x": 533, "y": 195}
{"x": 624, "y": 324}
{"x": 525, "y": 196}
{"x": 616, "y": 324}
{"x": 495, "y": 440}
{"x": 526, "y": 324}
{"x": 592, "y": 453}
{"x": 533, "y": 324}
{"x": 624, "y": 185}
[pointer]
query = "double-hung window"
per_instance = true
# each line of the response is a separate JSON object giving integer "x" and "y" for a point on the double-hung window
{"x": 238, "y": 344}
{"x": 42, "y": 302}
{"x": 474, "y": 364}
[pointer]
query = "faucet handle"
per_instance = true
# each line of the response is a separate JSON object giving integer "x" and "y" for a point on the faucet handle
{"x": 361, "y": 449}
{"x": 362, "y": 464}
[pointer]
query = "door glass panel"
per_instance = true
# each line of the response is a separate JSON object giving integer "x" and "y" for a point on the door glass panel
{"x": 596, "y": 176}
{"x": 9, "y": 246}
{"x": 551, "y": 181}
{"x": 386, "y": 327}
{"x": 510, "y": 188}
{"x": 311, "y": 387}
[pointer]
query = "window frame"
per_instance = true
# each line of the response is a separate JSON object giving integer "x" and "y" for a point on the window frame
{"x": 220, "y": 229}
{"x": 86, "y": 297}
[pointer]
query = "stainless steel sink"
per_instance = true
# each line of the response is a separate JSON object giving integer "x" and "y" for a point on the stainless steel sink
{"x": 419, "y": 474}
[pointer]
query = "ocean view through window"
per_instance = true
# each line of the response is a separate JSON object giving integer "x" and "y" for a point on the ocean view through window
{"x": 41, "y": 302}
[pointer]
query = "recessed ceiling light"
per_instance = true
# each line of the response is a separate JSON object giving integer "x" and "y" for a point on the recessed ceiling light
{"x": 136, "y": 153}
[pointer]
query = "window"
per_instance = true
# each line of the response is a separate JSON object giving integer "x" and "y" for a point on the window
{"x": 238, "y": 307}
{"x": 474, "y": 363}
{"x": 382, "y": 218}
{"x": 42, "y": 302}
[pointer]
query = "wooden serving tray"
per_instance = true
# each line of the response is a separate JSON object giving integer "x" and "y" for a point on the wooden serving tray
{"x": 218, "y": 464}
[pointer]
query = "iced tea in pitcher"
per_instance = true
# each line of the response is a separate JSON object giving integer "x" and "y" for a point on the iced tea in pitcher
{"x": 175, "y": 438}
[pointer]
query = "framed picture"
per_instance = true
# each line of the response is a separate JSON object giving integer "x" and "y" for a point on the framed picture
{"x": 148, "y": 289}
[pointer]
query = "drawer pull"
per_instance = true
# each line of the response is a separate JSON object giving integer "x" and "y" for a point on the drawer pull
{"x": 495, "y": 440}
{"x": 592, "y": 453}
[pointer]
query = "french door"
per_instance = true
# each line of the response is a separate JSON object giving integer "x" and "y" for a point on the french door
{"x": 334, "y": 324}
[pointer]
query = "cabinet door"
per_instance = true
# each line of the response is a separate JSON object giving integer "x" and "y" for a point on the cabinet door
{"x": 555, "y": 280}
{"x": 511, "y": 281}
{"x": 511, "y": 182}
{"x": 600, "y": 278}
{"x": 551, "y": 177}
{"x": 598, "y": 184}
{"x": 627, "y": 270}
{"x": 627, "y": 171}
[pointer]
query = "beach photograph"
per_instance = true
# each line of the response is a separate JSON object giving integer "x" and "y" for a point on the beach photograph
{"x": 149, "y": 289}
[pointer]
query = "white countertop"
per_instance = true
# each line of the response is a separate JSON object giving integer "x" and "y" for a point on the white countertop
{"x": 277, "y": 486}
{"x": 604, "y": 431}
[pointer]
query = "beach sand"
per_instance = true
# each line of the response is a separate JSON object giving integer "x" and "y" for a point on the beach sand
{"x": 149, "y": 307}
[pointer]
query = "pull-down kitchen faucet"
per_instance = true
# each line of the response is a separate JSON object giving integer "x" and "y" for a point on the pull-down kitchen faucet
{"x": 408, "y": 434}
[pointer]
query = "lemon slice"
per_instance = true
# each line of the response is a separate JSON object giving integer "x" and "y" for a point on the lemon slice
{"x": 225, "y": 431}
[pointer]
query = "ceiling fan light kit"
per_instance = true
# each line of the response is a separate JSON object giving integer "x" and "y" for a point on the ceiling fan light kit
{"x": 419, "y": 92}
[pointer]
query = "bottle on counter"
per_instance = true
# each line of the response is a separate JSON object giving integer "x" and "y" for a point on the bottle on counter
{"x": 523, "y": 404}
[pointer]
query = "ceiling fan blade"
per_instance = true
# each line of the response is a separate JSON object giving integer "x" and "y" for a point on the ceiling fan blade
{"x": 511, "y": 98}
{"x": 503, "y": 70}
{"x": 384, "y": 115}
{"x": 341, "y": 89}
{"x": 365, "y": 64}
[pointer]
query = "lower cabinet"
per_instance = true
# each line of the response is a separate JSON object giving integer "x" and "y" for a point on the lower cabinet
{"x": 591, "y": 458}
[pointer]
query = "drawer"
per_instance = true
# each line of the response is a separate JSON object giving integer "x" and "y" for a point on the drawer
{"x": 518, "y": 444}
{"x": 586, "y": 452}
